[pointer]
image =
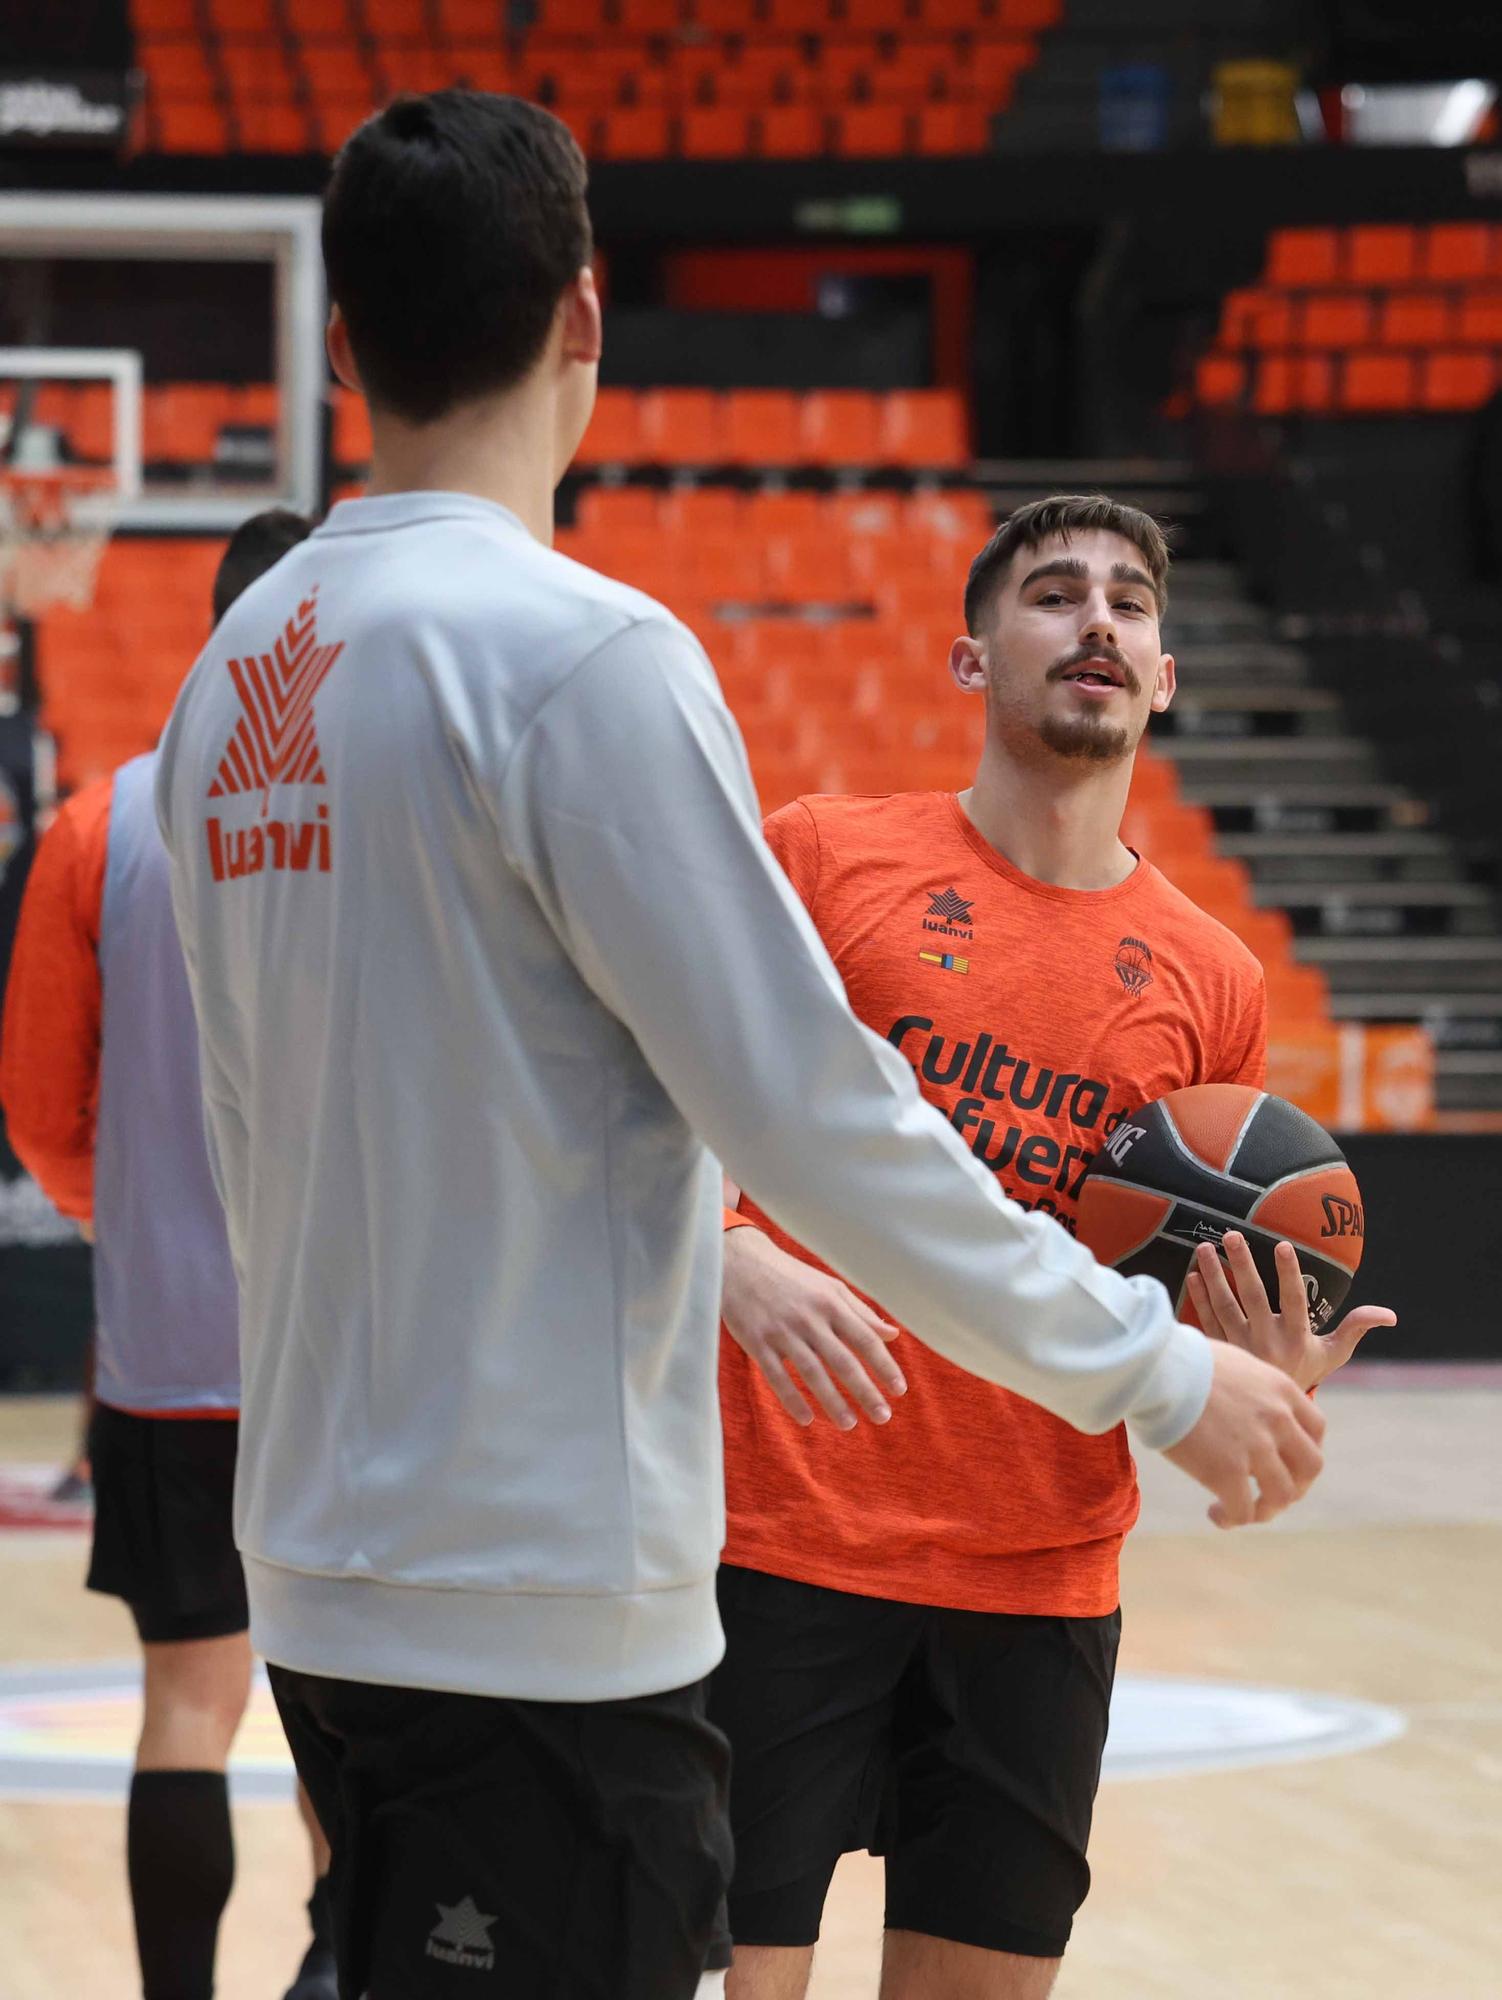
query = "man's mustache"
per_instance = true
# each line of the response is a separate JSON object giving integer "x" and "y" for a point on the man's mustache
{"x": 1082, "y": 655}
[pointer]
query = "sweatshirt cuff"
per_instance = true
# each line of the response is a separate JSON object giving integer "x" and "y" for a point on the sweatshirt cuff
{"x": 1172, "y": 1399}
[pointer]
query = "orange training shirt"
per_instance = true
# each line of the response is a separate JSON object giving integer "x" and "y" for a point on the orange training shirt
{"x": 1036, "y": 1019}
{"x": 49, "y": 1052}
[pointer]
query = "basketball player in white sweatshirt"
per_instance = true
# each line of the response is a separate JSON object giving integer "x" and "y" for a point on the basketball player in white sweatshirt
{"x": 490, "y": 962}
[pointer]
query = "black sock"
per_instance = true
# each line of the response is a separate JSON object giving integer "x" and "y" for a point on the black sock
{"x": 180, "y": 1855}
{"x": 320, "y": 1914}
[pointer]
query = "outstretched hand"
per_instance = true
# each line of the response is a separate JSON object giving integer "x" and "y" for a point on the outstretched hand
{"x": 1245, "y": 1317}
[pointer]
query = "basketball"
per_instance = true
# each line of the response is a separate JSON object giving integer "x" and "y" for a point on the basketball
{"x": 1217, "y": 1157}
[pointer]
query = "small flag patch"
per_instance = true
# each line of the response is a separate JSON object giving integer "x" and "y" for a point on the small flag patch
{"x": 946, "y": 960}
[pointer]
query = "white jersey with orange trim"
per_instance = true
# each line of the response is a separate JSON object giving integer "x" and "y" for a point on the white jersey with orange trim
{"x": 488, "y": 956}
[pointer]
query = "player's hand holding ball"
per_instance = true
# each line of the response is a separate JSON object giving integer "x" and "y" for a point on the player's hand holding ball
{"x": 1244, "y": 1315}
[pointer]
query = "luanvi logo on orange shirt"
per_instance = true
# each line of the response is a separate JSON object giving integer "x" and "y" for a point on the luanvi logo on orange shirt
{"x": 275, "y": 742}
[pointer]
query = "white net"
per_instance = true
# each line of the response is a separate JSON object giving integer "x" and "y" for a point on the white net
{"x": 53, "y": 529}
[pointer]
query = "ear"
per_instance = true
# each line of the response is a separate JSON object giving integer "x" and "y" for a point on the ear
{"x": 1166, "y": 684}
{"x": 967, "y": 663}
{"x": 583, "y": 324}
{"x": 341, "y": 354}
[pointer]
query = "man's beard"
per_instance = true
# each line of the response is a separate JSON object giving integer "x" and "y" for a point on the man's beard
{"x": 1089, "y": 737}
{"x": 1083, "y": 735}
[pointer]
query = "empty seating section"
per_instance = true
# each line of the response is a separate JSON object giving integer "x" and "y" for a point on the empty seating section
{"x": 633, "y": 79}
{"x": 110, "y": 674}
{"x": 182, "y": 423}
{"x": 913, "y": 430}
{"x": 1374, "y": 319}
{"x": 829, "y": 617}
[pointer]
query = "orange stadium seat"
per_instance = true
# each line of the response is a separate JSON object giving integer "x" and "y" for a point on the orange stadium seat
{"x": 483, "y": 68}
{"x": 790, "y": 131}
{"x": 715, "y": 132}
{"x": 393, "y": 20}
{"x": 272, "y": 128}
{"x": 1382, "y": 254}
{"x": 472, "y": 22}
{"x": 636, "y": 132}
{"x": 1029, "y": 15}
{"x": 682, "y": 427}
{"x": 924, "y": 427}
{"x": 798, "y": 17}
{"x": 1453, "y": 252}
{"x": 952, "y": 128}
{"x": 951, "y": 16}
{"x": 177, "y": 69}
{"x": 786, "y": 511}
{"x": 841, "y": 427}
{"x": 995, "y": 66}
{"x": 1479, "y": 319}
{"x": 1326, "y": 319}
{"x": 191, "y": 128}
{"x": 1303, "y": 257}
{"x": 1456, "y": 379}
{"x": 605, "y": 510}
{"x": 323, "y": 21}
{"x": 1377, "y": 382}
{"x": 1414, "y": 319}
{"x": 614, "y": 434}
{"x": 180, "y": 422}
{"x": 762, "y": 427}
{"x": 335, "y": 71}
{"x": 808, "y": 570}
{"x": 257, "y": 72}
{"x": 584, "y": 18}
{"x": 247, "y": 18}
{"x": 351, "y": 430}
{"x": 649, "y": 17}
{"x": 1219, "y": 378}
{"x": 165, "y": 17}
{"x": 402, "y": 66}
{"x": 875, "y": 17}
{"x": 872, "y": 131}
{"x": 702, "y": 510}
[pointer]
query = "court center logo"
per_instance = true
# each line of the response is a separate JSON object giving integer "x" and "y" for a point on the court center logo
{"x": 1134, "y": 965}
{"x": 275, "y": 742}
{"x": 949, "y": 914}
{"x": 461, "y": 1936}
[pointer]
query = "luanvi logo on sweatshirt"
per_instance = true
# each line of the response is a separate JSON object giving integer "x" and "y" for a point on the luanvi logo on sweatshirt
{"x": 461, "y": 1936}
{"x": 953, "y": 913}
{"x": 275, "y": 742}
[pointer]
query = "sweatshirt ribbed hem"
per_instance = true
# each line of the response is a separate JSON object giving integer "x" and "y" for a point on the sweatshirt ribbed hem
{"x": 522, "y": 1646}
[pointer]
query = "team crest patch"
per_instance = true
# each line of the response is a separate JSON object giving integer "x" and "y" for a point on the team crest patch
{"x": 1134, "y": 965}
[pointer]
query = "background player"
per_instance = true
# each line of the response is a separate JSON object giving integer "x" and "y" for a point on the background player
{"x": 921, "y": 1620}
{"x": 485, "y": 946}
{"x": 99, "y": 1074}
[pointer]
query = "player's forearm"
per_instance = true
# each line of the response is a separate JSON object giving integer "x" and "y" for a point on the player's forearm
{"x": 675, "y": 912}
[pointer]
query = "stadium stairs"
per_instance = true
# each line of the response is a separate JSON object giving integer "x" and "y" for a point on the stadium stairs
{"x": 1345, "y": 331}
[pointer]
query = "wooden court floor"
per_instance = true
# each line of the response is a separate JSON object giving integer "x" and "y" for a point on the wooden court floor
{"x": 1370, "y": 1876}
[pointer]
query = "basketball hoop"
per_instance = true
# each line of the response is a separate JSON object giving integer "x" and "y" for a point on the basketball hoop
{"x": 53, "y": 528}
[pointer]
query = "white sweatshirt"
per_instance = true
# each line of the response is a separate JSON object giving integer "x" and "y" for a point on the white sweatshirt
{"x": 492, "y": 968}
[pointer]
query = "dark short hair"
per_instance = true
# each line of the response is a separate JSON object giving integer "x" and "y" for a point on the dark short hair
{"x": 1063, "y": 514}
{"x": 451, "y": 226}
{"x": 256, "y": 546}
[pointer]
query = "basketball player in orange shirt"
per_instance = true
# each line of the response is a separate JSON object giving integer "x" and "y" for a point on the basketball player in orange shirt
{"x": 922, "y": 1616}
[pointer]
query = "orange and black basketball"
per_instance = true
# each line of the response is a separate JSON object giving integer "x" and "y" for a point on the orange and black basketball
{"x": 1217, "y": 1157}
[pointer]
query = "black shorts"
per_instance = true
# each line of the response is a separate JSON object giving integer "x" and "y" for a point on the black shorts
{"x": 163, "y": 1523}
{"x": 965, "y": 1746}
{"x": 541, "y": 1848}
